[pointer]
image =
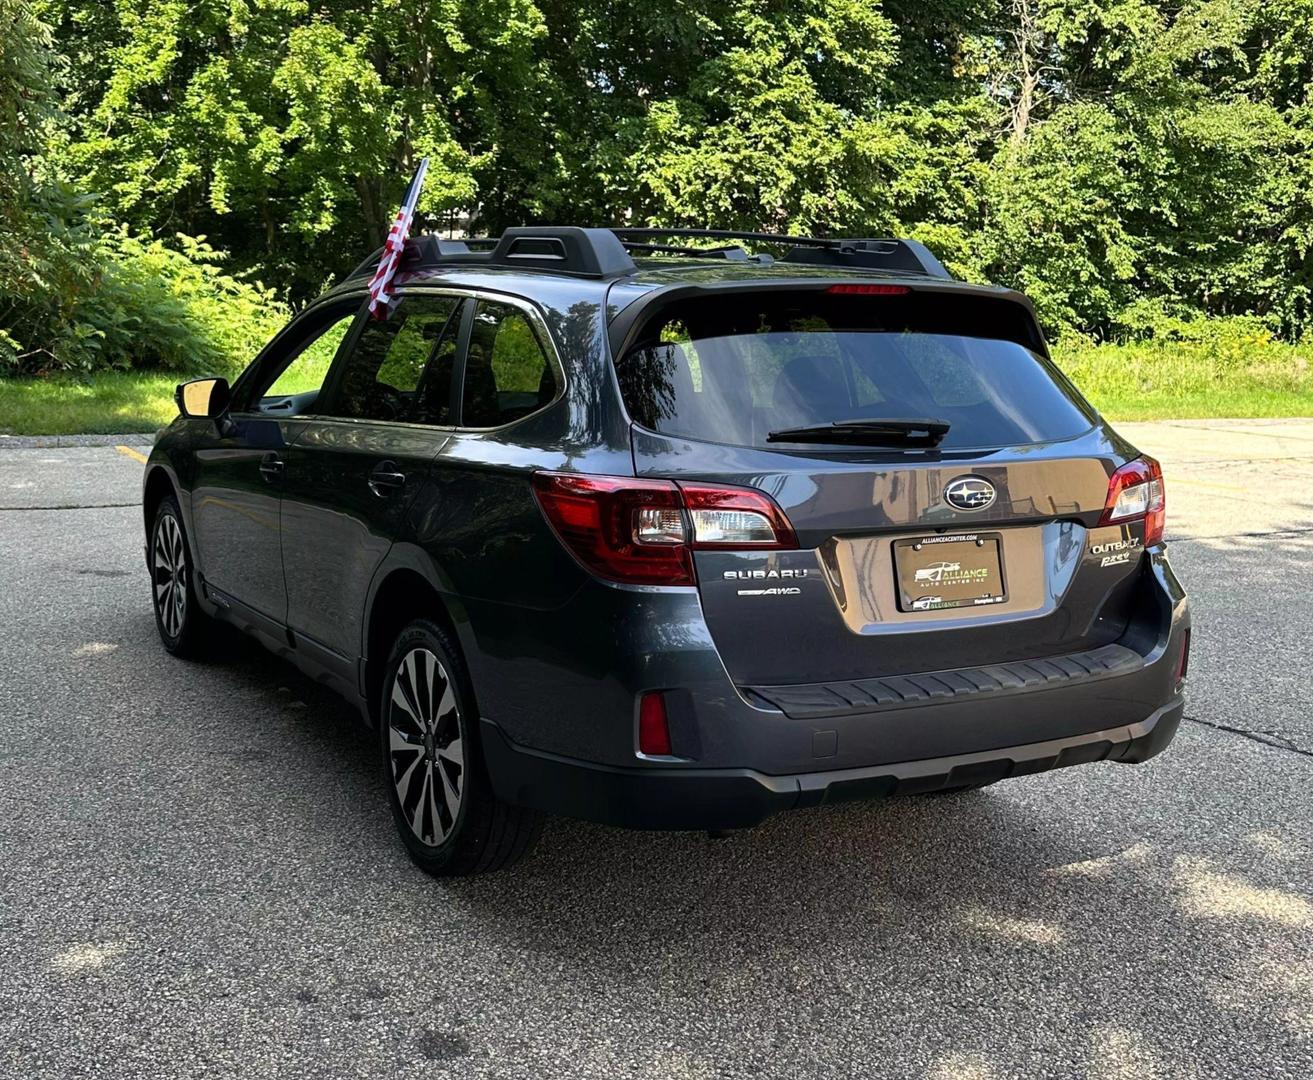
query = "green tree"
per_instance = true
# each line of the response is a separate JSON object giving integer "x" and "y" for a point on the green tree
{"x": 1130, "y": 163}
{"x": 78, "y": 292}
{"x": 286, "y": 135}
{"x": 1156, "y": 163}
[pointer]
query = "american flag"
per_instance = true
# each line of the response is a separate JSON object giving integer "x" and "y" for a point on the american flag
{"x": 381, "y": 285}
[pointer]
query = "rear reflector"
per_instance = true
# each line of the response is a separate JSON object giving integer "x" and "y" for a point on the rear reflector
{"x": 643, "y": 532}
{"x": 653, "y": 726}
{"x": 1185, "y": 657}
{"x": 868, "y": 290}
{"x": 1136, "y": 493}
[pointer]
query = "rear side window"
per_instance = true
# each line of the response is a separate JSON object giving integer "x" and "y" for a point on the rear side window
{"x": 734, "y": 370}
{"x": 507, "y": 373}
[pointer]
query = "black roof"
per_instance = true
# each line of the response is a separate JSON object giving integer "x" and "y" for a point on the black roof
{"x": 609, "y": 254}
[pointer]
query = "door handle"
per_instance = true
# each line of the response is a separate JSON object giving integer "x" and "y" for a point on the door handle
{"x": 272, "y": 467}
{"x": 386, "y": 478}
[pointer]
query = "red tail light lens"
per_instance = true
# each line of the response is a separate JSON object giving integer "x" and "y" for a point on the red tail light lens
{"x": 618, "y": 527}
{"x": 1136, "y": 492}
{"x": 643, "y": 532}
{"x": 653, "y": 726}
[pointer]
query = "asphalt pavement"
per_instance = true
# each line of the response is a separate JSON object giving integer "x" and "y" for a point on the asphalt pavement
{"x": 199, "y": 878}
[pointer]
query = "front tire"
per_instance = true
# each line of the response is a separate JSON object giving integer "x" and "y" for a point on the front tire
{"x": 442, "y": 802}
{"x": 182, "y": 625}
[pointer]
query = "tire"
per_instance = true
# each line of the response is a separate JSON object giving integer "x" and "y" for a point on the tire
{"x": 183, "y": 627}
{"x": 442, "y": 801}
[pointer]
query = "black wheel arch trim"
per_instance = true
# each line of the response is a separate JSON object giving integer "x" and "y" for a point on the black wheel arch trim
{"x": 405, "y": 556}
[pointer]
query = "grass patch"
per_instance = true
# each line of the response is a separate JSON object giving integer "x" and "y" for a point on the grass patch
{"x": 107, "y": 404}
{"x": 1233, "y": 372}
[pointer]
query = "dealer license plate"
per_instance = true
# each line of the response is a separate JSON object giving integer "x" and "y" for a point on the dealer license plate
{"x": 951, "y": 571}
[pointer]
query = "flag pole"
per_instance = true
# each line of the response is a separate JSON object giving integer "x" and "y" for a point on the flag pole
{"x": 383, "y": 284}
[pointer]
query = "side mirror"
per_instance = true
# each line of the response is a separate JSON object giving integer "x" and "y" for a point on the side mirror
{"x": 203, "y": 398}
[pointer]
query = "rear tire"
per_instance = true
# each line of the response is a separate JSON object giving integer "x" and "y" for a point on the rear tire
{"x": 442, "y": 801}
{"x": 183, "y": 627}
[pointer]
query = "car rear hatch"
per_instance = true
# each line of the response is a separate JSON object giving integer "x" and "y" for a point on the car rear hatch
{"x": 944, "y": 489}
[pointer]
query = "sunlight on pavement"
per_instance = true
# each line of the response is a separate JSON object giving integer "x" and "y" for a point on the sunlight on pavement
{"x": 1135, "y": 855}
{"x": 962, "y": 1067}
{"x": 1208, "y": 894}
{"x": 1117, "y": 1053}
{"x": 94, "y": 648}
{"x": 1031, "y": 930}
{"x": 86, "y": 956}
{"x": 1277, "y": 847}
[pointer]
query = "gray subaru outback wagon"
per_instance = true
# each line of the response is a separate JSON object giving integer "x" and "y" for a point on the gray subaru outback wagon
{"x": 621, "y": 525}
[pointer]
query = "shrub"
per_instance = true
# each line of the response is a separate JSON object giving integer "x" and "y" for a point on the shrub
{"x": 77, "y": 293}
{"x": 93, "y": 300}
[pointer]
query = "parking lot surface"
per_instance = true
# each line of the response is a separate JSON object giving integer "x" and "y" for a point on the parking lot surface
{"x": 199, "y": 878}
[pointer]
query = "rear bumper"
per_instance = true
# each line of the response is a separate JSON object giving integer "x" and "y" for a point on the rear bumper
{"x": 676, "y": 798}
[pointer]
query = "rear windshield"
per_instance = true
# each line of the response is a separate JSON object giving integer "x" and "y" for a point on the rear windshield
{"x": 734, "y": 370}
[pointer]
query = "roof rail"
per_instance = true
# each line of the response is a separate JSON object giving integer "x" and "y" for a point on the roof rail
{"x": 605, "y": 253}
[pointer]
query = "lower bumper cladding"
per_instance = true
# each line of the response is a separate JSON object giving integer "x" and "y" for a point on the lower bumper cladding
{"x": 691, "y": 798}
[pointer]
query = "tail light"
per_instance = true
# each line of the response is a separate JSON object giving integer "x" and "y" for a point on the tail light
{"x": 643, "y": 532}
{"x": 1135, "y": 493}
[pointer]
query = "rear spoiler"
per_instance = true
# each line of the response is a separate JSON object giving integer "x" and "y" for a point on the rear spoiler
{"x": 976, "y": 311}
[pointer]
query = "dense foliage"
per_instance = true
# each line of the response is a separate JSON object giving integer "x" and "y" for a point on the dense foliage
{"x": 77, "y": 291}
{"x": 1134, "y": 165}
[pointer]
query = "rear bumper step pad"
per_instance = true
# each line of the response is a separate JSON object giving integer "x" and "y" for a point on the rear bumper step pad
{"x": 814, "y": 700}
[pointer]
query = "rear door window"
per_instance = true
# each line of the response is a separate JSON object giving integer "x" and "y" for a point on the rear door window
{"x": 734, "y": 370}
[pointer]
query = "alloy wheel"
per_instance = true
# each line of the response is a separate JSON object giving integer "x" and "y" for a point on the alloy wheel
{"x": 169, "y": 575}
{"x": 425, "y": 747}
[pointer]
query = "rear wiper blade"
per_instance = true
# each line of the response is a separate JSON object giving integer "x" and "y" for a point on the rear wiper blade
{"x": 881, "y": 431}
